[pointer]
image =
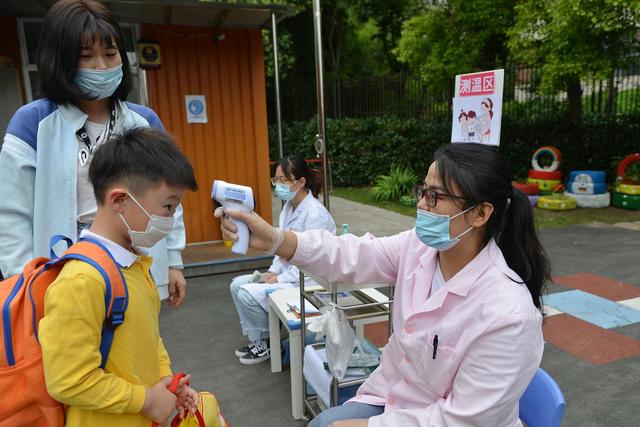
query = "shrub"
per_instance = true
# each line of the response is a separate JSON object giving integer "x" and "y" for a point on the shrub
{"x": 360, "y": 149}
{"x": 398, "y": 183}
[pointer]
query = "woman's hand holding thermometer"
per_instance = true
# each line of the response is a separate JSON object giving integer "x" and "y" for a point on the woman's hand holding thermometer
{"x": 240, "y": 224}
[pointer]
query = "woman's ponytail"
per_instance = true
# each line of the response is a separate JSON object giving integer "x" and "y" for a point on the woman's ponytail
{"x": 315, "y": 182}
{"x": 521, "y": 247}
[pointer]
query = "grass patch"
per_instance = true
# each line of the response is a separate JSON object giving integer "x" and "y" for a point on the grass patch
{"x": 545, "y": 218}
{"x": 362, "y": 195}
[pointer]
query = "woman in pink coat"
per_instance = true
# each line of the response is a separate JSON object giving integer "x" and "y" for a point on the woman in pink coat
{"x": 467, "y": 315}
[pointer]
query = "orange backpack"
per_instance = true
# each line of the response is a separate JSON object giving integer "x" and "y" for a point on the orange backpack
{"x": 24, "y": 400}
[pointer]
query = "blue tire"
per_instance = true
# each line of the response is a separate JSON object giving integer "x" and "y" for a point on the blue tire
{"x": 596, "y": 176}
{"x": 586, "y": 188}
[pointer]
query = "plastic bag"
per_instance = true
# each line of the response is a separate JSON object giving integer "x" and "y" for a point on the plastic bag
{"x": 361, "y": 359}
{"x": 340, "y": 338}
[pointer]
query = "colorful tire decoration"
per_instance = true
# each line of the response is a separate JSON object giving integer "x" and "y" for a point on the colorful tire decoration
{"x": 586, "y": 188}
{"x": 527, "y": 188}
{"x": 591, "y": 200}
{"x": 626, "y": 201}
{"x": 626, "y": 194}
{"x": 587, "y": 176}
{"x": 548, "y": 175}
{"x": 545, "y": 185}
{"x": 557, "y": 202}
{"x": 628, "y": 160}
{"x": 555, "y": 156}
{"x": 630, "y": 189}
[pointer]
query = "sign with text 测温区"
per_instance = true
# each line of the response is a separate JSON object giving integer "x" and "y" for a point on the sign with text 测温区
{"x": 477, "y": 107}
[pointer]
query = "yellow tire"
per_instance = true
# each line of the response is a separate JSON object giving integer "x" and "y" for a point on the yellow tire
{"x": 545, "y": 184}
{"x": 557, "y": 202}
{"x": 631, "y": 189}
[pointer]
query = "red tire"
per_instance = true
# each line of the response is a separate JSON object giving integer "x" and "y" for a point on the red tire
{"x": 631, "y": 158}
{"x": 554, "y": 175}
{"x": 528, "y": 189}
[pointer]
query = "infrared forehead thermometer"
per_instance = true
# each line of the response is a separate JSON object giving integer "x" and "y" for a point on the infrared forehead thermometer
{"x": 234, "y": 196}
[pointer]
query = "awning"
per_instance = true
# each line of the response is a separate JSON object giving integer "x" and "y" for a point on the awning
{"x": 179, "y": 12}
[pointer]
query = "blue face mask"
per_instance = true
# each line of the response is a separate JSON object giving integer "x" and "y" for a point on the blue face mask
{"x": 283, "y": 192}
{"x": 98, "y": 84}
{"x": 433, "y": 229}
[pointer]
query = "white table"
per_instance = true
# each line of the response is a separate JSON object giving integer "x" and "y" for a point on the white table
{"x": 279, "y": 312}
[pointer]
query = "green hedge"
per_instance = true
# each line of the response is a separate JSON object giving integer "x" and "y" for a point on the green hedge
{"x": 363, "y": 148}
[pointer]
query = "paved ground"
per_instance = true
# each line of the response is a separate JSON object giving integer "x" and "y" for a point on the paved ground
{"x": 592, "y": 331}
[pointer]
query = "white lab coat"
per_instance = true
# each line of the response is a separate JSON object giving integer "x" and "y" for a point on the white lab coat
{"x": 309, "y": 215}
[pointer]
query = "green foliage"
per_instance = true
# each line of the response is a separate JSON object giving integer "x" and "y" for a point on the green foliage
{"x": 398, "y": 183}
{"x": 459, "y": 36}
{"x": 632, "y": 173}
{"x": 574, "y": 39}
{"x": 361, "y": 149}
{"x": 286, "y": 58}
{"x": 408, "y": 201}
{"x": 387, "y": 16}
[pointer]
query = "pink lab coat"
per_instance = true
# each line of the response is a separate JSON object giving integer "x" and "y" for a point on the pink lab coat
{"x": 489, "y": 332}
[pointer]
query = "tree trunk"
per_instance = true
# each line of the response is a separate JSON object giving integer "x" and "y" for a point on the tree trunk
{"x": 574, "y": 95}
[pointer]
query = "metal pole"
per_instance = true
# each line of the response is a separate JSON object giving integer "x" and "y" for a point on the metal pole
{"x": 276, "y": 77}
{"x": 321, "y": 140}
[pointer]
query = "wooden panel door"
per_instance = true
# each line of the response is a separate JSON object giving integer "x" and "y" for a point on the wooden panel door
{"x": 233, "y": 145}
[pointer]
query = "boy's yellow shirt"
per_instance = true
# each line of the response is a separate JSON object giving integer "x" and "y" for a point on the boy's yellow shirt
{"x": 70, "y": 336}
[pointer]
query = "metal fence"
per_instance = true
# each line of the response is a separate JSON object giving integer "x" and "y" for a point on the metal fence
{"x": 410, "y": 97}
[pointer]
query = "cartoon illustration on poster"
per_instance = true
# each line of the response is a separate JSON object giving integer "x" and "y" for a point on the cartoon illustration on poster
{"x": 477, "y": 108}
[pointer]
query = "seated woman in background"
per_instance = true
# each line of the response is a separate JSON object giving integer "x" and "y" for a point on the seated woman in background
{"x": 467, "y": 314}
{"x": 297, "y": 185}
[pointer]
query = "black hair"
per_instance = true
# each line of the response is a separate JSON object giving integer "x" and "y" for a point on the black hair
{"x": 295, "y": 167}
{"x": 67, "y": 26}
{"x": 482, "y": 174}
{"x": 140, "y": 158}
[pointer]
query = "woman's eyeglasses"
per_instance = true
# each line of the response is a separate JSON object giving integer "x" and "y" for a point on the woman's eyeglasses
{"x": 431, "y": 196}
{"x": 282, "y": 180}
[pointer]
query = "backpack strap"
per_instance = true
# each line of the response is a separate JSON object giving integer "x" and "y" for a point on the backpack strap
{"x": 116, "y": 298}
{"x": 54, "y": 241}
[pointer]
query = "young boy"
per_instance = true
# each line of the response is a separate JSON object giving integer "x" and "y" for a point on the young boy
{"x": 139, "y": 178}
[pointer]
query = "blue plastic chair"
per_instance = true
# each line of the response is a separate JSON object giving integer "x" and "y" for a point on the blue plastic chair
{"x": 542, "y": 404}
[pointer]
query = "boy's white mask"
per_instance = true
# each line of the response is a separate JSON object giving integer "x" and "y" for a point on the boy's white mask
{"x": 157, "y": 229}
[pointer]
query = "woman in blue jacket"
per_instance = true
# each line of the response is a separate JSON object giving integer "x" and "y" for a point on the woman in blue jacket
{"x": 44, "y": 186}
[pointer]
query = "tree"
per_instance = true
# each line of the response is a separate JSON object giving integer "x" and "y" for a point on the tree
{"x": 458, "y": 36}
{"x": 574, "y": 40}
{"x": 387, "y": 16}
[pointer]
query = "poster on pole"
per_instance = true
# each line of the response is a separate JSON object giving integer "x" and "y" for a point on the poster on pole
{"x": 477, "y": 107}
{"x": 196, "y": 108}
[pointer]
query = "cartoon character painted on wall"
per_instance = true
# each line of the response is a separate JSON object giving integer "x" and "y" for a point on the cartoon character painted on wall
{"x": 484, "y": 120}
{"x": 464, "y": 125}
{"x": 472, "y": 126}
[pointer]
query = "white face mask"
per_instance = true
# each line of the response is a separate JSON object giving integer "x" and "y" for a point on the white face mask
{"x": 158, "y": 228}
